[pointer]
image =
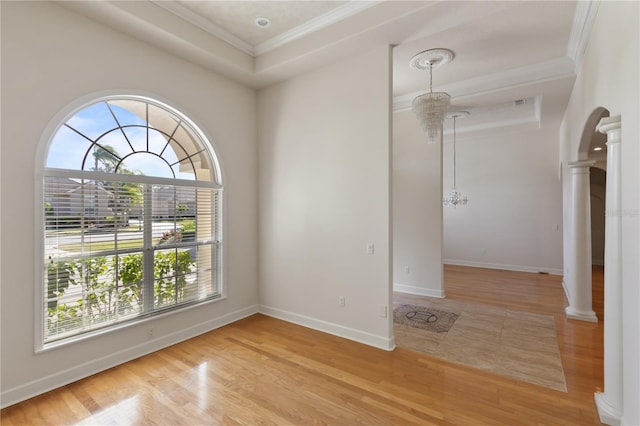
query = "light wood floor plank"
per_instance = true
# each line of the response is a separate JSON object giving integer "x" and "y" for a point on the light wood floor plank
{"x": 264, "y": 371}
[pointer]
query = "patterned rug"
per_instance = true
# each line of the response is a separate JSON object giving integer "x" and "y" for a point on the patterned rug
{"x": 425, "y": 318}
{"x": 520, "y": 345}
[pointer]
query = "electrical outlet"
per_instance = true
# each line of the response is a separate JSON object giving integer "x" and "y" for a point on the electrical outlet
{"x": 341, "y": 301}
{"x": 407, "y": 270}
{"x": 370, "y": 248}
{"x": 150, "y": 333}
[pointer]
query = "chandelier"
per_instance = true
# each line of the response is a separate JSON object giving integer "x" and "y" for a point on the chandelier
{"x": 430, "y": 108}
{"x": 455, "y": 198}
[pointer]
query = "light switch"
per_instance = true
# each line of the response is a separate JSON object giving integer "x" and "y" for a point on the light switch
{"x": 383, "y": 311}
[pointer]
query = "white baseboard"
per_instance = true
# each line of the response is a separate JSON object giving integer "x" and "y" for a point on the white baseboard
{"x": 388, "y": 344}
{"x": 608, "y": 414}
{"x": 421, "y": 291}
{"x": 506, "y": 267}
{"x": 64, "y": 377}
{"x": 588, "y": 316}
{"x": 566, "y": 290}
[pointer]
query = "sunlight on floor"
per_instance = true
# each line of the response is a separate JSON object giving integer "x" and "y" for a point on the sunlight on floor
{"x": 124, "y": 412}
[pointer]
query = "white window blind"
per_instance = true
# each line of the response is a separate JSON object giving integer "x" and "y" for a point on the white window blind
{"x": 116, "y": 251}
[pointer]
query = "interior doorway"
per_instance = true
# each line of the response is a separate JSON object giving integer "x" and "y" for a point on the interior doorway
{"x": 597, "y": 177}
{"x": 593, "y": 150}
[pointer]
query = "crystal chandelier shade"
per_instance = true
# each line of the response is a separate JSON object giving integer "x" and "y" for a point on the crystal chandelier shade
{"x": 431, "y": 108}
{"x": 455, "y": 198}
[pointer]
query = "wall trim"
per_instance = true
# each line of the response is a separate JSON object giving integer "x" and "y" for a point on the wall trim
{"x": 566, "y": 290}
{"x": 608, "y": 414}
{"x": 588, "y": 316}
{"x": 550, "y": 70}
{"x": 506, "y": 267}
{"x": 583, "y": 20}
{"x": 319, "y": 22}
{"x": 70, "y": 375}
{"x": 205, "y": 25}
{"x": 380, "y": 342}
{"x": 421, "y": 291}
{"x": 331, "y": 17}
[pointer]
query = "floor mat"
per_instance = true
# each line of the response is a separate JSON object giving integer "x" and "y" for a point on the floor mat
{"x": 516, "y": 344}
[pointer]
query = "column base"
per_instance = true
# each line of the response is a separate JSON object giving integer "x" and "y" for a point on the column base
{"x": 608, "y": 414}
{"x": 589, "y": 316}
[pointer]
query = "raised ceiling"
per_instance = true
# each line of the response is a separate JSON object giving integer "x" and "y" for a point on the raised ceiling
{"x": 234, "y": 21}
{"x": 504, "y": 50}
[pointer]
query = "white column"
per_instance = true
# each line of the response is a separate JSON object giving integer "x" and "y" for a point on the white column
{"x": 609, "y": 402}
{"x": 580, "y": 307}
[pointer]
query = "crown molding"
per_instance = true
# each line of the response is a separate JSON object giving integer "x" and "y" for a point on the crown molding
{"x": 544, "y": 71}
{"x": 204, "y": 24}
{"x": 504, "y": 117}
{"x": 492, "y": 126}
{"x": 335, "y": 15}
{"x": 338, "y": 14}
{"x": 583, "y": 19}
{"x": 581, "y": 164}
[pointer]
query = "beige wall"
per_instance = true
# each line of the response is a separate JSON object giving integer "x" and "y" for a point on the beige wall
{"x": 324, "y": 195}
{"x": 50, "y": 58}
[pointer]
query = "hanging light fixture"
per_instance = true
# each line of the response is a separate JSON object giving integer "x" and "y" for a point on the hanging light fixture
{"x": 455, "y": 198}
{"x": 430, "y": 108}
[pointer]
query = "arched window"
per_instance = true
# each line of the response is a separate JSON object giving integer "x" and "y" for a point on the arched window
{"x": 132, "y": 217}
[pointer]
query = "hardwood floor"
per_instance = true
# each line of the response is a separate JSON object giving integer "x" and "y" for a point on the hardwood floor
{"x": 264, "y": 371}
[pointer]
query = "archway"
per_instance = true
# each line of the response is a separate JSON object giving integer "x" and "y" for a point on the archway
{"x": 601, "y": 149}
{"x": 579, "y": 280}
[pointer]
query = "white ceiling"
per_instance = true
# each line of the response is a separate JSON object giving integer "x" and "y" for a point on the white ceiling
{"x": 234, "y": 21}
{"x": 504, "y": 50}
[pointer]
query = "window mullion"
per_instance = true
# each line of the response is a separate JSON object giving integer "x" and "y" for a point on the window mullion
{"x": 147, "y": 263}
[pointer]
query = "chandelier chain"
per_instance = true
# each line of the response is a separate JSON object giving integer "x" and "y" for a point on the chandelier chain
{"x": 455, "y": 198}
{"x": 431, "y": 78}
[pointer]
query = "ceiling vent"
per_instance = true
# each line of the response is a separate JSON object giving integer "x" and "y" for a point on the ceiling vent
{"x": 519, "y": 102}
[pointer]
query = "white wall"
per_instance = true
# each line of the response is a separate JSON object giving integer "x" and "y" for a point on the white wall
{"x": 514, "y": 217}
{"x": 417, "y": 209}
{"x": 609, "y": 77}
{"x": 51, "y": 57}
{"x": 324, "y": 195}
{"x": 515, "y": 202}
